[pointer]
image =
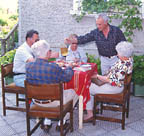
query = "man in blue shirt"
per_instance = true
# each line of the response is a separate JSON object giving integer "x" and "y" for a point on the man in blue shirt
{"x": 106, "y": 38}
{"x": 43, "y": 72}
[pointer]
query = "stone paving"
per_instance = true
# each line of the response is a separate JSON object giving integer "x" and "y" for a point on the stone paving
{"x": 14, "y": 123}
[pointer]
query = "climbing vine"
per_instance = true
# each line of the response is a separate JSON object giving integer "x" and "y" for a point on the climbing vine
{"x": 126, "y": 10}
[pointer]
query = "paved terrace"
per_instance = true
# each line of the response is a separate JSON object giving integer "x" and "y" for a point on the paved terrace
{"x": 14, "y": 124}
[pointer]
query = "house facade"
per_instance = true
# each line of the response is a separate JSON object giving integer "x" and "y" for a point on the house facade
{"x": 54, "y": 22}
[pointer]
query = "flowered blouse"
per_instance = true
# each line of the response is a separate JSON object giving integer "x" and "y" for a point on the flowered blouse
{"x": 117, "y": 72}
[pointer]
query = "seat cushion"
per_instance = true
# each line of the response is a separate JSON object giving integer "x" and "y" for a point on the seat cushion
{"x": 13, "y": 86}
{"x": 118, "y": 98}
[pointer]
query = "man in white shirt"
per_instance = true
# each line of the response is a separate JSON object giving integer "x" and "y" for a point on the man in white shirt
{"x": 23, "y": 55}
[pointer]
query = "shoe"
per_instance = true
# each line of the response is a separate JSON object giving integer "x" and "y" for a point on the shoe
{"x": 64, "y": 126}
{"x": 46, "y": 128}
{"x": 97, "y": 111}
{"x": 88, "y": 120}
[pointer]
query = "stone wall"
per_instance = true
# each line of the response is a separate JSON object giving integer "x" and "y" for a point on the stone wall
{"x": 53, "y": 21}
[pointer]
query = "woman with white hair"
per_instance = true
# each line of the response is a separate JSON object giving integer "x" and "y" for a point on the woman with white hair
{"x": 114, "y": 79}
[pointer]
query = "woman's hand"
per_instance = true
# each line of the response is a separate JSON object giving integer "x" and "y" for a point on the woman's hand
{"x": 94, "y": 76}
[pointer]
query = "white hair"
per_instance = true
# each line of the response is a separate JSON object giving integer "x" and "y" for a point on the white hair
{"x": 103, "y": 16}
{"x": 125, "y": 49}
{"x": 40, "y": 48}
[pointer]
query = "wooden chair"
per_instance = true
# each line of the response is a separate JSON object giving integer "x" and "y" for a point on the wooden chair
{"x": 121, "y": 99}
{"x": 6, "y": 71}
{"x": 47, "y": 92}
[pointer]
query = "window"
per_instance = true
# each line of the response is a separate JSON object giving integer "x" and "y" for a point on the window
{"x": 76, "y": 7}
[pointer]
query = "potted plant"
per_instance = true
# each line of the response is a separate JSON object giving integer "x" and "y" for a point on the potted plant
{"x": 138, "y": 75}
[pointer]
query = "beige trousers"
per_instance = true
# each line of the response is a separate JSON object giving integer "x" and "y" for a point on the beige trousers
{"x": 68, "y": 95}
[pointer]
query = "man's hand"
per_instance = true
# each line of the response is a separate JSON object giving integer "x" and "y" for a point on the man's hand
{"x": 68, "y": 41}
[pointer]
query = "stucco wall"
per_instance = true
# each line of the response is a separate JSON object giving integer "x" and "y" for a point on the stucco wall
{"x": 53, "y": 21}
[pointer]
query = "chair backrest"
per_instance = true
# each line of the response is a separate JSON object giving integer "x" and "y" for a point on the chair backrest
{"x": 127, "y": 81}
{"x": 6, "y": 70}
{"x": 45, "y": 91}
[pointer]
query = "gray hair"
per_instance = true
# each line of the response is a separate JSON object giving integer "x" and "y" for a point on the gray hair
{"x": 125, "y": 49}
{"x": 103, "y": 16}
{"x": 40, "y": 48}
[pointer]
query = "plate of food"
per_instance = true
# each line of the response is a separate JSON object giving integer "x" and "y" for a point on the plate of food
{"x": 61, "y": 64}
{"x": 86, "y": 65}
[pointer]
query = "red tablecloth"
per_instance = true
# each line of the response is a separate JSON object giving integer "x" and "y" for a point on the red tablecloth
{"x": 80, "y": 82}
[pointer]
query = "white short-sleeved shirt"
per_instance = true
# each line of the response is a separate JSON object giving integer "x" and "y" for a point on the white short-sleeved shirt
{"x": 79, "y": 53}
{"x": 23, "y": 53}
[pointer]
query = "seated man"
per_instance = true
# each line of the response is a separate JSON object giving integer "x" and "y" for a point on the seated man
{"x": 43, "y": 72}
{"x": 114, "y": 78}
{"x": 23, "y": 55}
{"x": 76, "y": 53}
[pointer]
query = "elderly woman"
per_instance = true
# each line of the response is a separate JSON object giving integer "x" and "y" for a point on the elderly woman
{"x": 114, "y": 78}
{"x": 76, "y": 53}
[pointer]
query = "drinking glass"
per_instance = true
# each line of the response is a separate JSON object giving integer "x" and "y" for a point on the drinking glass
{"x": 64, "y": 51}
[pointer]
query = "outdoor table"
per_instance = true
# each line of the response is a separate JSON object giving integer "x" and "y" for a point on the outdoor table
{"x": 80, "y": 82}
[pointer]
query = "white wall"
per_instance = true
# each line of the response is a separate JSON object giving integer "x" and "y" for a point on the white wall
{"x": 53, "y": 21}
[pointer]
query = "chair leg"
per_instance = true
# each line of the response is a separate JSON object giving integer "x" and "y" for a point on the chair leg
{"x": 17, "y": 97}
{"x": 127, "y": 112}
{"x": 71, "y": 120}
{"x": 61, "y": 127}
{"x": 123, "y": 116}
{"x": 101, "y": 108}
{"x": 4, "y": 104}
{"x": 94, "y": 112}
{"x": 28, "y": 126}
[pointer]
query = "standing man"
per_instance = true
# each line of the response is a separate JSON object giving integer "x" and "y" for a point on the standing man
{"x": 23, "y": 55}
{"x": 106, "y": 38}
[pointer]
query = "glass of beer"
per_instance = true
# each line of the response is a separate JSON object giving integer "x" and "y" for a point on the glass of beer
{"x": 64, "y": 51}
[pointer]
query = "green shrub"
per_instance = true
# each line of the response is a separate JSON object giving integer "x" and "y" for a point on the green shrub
{"x": 13, "y": 17}
{"x": 8, "y": 57}
{"x": 138, "y": 70}
{"x": 3, "y": 22}
{"x": 92, "y": 59}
